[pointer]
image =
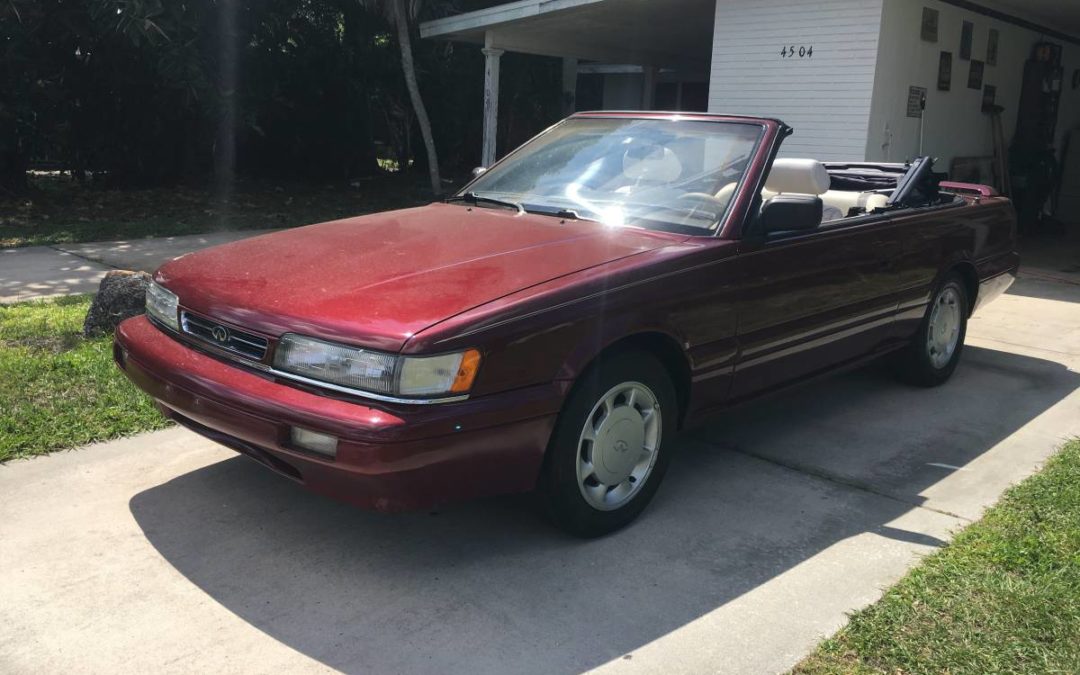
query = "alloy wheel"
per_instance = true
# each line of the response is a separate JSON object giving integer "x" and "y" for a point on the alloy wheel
{"x": 618, "y": 445}
{"x": 943, "y": 334}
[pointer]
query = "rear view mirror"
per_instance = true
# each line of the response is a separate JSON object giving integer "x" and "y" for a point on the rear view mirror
{"x": 791, "y": 213}
{"x": 478, "y": 170}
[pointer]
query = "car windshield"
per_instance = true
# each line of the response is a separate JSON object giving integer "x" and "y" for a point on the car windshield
{"x": 667, "y": 174}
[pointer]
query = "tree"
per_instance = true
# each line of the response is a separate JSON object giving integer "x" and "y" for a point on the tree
{"x": 398, "y": 14}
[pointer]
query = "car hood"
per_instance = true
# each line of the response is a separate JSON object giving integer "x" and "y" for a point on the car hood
{"x": 377, "y": 280}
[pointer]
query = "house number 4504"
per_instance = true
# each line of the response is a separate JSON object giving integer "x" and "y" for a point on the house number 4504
{"x": 800, "y": 51}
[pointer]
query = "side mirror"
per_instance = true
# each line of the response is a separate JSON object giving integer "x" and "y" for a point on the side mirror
{"x": 791, "y": 213}
{"x": 478, "y": 170}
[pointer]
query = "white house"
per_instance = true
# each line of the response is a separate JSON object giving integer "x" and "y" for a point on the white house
{"x": 848, "y": 75}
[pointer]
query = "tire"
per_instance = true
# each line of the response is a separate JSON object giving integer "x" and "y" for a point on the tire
{"x": 935, "y": 349}
{"x": 618, "y": 473}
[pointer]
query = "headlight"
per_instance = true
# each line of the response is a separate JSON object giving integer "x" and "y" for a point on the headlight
{"x": 376, "y": 372}
{"x": 337, "y": 364}
{"x": 161, "y": 305}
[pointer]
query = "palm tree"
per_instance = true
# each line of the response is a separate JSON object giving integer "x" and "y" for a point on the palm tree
{"x": 399, "y": 13}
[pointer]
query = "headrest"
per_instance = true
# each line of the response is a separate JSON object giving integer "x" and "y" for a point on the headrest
{"x": 801, "y": 176}
{"x": 653, "y": 163}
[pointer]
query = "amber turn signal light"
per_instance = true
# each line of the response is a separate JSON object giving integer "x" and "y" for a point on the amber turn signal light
{"x": 470, "y": 364}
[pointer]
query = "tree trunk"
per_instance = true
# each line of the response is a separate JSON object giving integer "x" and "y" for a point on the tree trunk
{"x": 409, "y": 68}
{"x": 13, "y": 167}
{"x": 225, "y": 144}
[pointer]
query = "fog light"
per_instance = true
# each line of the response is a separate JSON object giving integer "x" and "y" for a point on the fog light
{"x": 315, "y": 442}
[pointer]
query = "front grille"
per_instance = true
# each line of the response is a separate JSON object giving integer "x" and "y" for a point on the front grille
{"x": 223, "y": 337}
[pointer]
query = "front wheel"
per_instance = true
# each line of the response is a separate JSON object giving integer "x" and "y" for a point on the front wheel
{"x": 608, "y": 452}
{"x": 935, "y": 350}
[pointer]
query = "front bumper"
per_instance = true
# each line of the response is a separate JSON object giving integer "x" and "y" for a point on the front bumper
{"x": 388, "y": 458}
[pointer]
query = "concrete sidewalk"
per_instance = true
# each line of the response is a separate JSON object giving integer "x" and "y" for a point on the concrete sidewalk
{"x": 151, "y": 253}
{"x": 167, "y": 552}
{"x": 36, "y": 272}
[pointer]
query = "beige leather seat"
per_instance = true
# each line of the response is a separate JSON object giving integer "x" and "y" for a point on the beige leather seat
{"x": 798, "y": 176}
{"x": 875, "y": 201}
{"x": 846, "y": 201}
{"x": 801, "y": 176}
{"x": 810, "y": 177}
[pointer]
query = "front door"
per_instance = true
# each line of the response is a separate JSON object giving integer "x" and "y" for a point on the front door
{"x": 811, "y": 302}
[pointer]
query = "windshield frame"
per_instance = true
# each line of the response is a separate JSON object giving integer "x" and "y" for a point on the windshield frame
{"x": 725, "y": 223}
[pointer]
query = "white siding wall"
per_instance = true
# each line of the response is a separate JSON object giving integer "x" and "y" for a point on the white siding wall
{"x": 826, "y": 97}
{"x": 955, "y": 125}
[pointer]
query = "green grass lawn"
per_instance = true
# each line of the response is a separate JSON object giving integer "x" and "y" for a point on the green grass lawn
{"x": 60, "y": 211}
{"x": 1003, "y": 597}
{"x": 57, "y": 389}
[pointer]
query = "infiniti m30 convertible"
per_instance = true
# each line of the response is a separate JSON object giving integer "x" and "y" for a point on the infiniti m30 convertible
{"x": 553, "y": 325}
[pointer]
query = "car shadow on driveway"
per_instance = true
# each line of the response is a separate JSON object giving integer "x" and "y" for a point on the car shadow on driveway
{"x": 1045, "y": 289}
{"x": 490, "y": 587}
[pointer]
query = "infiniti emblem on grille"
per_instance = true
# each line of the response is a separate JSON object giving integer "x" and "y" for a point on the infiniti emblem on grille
{"x": 220, "y": 333}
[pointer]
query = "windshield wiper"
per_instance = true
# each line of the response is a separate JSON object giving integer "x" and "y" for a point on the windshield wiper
{"x": 565, "y": 214}
{"x": 473, "y": 198}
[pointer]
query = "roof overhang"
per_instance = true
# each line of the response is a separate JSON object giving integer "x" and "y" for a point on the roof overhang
{"x": 672, "y": 33}
{"x": 1055, "y": 19}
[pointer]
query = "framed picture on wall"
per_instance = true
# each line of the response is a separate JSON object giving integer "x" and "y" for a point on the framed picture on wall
{"x": 944, "y": 72}
{"x": 975, "y": 75}
{"x": 929, "y": 24}
{"x": 967, "y": 35}
{"x": 916, "y": 101}
{"x": 989, "y": 97}
{"x": 992, "y": 47}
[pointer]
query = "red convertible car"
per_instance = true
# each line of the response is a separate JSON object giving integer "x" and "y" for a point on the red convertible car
{"x": 552, "y": 326}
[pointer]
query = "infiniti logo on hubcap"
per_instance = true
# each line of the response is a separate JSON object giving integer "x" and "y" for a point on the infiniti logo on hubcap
{"x": 220, "y": 333}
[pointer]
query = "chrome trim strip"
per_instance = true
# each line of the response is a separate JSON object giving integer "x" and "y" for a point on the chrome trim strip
{"x": 247, "y": 342}
{"x": 263, "y": 368}
{"x": 367, "y": 394}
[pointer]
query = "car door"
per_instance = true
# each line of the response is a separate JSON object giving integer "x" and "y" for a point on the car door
{"x": 811, "y": 302}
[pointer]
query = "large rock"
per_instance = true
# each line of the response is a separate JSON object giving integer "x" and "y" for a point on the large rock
{"x": 121, "y": 295}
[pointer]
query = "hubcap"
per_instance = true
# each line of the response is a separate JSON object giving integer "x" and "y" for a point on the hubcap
{"x": 618, "y": 445}
{"x": 944, "y": 331}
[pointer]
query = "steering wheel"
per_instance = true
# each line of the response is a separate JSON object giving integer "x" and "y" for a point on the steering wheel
{"x": 704, "y": 203}
{"x": 704, "y": 197}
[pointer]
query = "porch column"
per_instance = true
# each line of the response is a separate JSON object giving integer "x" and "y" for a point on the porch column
{"x": 491, "y": 99}
{"x": 569, "y": 86}
{"x": 648, "y": 87}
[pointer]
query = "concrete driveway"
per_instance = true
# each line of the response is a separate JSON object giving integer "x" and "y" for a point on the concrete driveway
{"x": 150, "y": 253}
{"x": 165, "y": 552}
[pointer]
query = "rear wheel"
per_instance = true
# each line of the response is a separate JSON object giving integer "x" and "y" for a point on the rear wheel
{"x": 608, "y": 452}
{"x": 935, "y": 350}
